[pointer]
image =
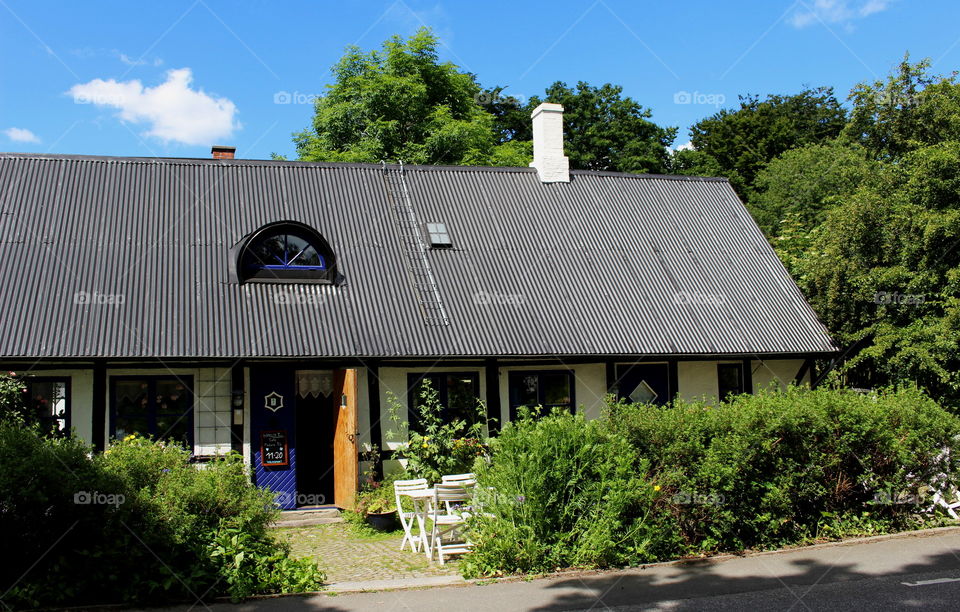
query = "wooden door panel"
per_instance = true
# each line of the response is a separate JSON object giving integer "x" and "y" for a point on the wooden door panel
{"x": 345, "y": 469}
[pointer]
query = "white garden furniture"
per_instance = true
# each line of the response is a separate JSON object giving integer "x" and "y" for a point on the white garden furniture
{"x": 417, "y": 491}
{"x": 446, "y": 518}
{"x": 463, "y": 480}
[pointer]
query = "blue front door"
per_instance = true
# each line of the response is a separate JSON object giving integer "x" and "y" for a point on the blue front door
{"x": 273, "y": 432}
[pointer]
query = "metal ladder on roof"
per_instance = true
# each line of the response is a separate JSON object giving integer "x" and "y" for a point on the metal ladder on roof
{"x": 415, "y": 251}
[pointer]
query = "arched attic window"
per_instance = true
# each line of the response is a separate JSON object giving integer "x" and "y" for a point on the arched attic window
{"x": 286, "y": 252}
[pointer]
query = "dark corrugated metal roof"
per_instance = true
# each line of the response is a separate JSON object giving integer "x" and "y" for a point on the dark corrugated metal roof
{"x": 608, "y": 264}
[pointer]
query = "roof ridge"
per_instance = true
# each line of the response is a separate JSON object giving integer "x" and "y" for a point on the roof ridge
{"x": 190, "y": 161}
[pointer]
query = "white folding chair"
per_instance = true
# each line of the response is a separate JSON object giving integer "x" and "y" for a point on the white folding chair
{"x": 445, "y": 522}
{"x": 407, "y": 518}
{"x": 467, "y": 479}
{"x": 463, "y": 480}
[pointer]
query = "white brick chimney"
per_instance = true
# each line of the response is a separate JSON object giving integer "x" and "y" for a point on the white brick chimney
{"x": 548, "y": 158}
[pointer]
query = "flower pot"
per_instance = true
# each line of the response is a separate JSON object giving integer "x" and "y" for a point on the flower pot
{"x": 382, "y": 521}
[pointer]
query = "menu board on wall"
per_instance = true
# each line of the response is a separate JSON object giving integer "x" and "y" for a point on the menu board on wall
{"x": 273, "y": 448}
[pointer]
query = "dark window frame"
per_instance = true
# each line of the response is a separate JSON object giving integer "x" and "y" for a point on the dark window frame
{"x": 66, "y": 380}
{"x": 151, "y": 380}
{"x": 250, "y": 269}
{"x": 722, "y": 391}
{"x": 443, "y": 392}
{"x": 516, "y": 374}
{"x": 622, "y": 370}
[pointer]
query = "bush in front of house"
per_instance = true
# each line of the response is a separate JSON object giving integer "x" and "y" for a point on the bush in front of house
{"x": 139, "y": 523}
{"x": 654, "y": 483}
{"x": 779, "y": 468}
{"x": 560, "y": 492}
{"x": 56, "y": 505}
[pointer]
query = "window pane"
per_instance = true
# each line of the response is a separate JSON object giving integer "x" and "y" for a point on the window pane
{"x": 49, "y": 402}
{"x": 124, "y": 426}
{"x": 556, "y": 389}
{"x": 308, "y": 257}
{"x": 172, "y": 397}
{"x": 131, "y": 397}
{"x": 729, "y": 379}
{"x": 270, "y": 251}
{"x": 417, "y": 383}
{"x": 524, "y": 390}
{"x": 173, "y": 427}
{"x": 462, "y": 397}
{"x": 153, "y": 406}
{"x": 301, "y": 252}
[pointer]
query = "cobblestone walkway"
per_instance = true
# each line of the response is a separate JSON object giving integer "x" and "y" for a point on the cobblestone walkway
{"x": 348, "y": 558}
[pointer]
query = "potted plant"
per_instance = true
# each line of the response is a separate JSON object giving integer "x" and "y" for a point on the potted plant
{"x": 376, "y": 503}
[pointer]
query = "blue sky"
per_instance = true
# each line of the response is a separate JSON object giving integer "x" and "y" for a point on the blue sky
{"x": 172, "y": 78}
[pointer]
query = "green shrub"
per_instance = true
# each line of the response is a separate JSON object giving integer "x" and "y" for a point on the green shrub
{"x": 48, "y": 518}
{"x": 12, "y": 406}
{"x": 778, "y": 468}
{"x": 566, "y": 494}
{"x": 653, "y": 483}
{"x": 137, "y": 523}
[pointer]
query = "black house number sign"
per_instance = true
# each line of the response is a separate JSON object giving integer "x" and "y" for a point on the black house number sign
{"x": 273, "y": 448}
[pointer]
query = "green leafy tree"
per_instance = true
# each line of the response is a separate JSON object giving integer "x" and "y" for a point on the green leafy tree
{"x": 12, "y": 405}
{"x": 908, "y": 110}
{"x": 402, "y": 103}
{"x": 605, "y": 131}
{"x": 885, "y": 269}
{"x": 742, "y": 141}
{"x": 803, "y": 183}
{"x": 699, "y": 163}
{"x": 602, "y": 129}
{"x": 437, "y": 446}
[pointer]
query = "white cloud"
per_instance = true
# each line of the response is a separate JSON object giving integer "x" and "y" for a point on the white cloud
{"x": 172, "y": 110}
{"x": 835, "y": 11}
{"x": 687, "y": 146}
{"x": 20, "y": 135}
{"x": 129, "y": 61}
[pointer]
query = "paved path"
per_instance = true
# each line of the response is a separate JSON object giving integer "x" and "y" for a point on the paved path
{"x": 917, "y": 571}
{"x": 350, "y": 561}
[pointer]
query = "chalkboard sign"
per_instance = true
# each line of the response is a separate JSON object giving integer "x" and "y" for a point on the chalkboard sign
{"x": 273, "y": 449}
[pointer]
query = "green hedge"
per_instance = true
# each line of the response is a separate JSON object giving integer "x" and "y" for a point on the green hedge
{"x": 138, "y": 523}
{"x": 777, "y": 468}
{"x": 647, "y": 482}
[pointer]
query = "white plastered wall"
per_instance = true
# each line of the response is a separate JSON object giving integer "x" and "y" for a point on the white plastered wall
{"x": 697, "y": 380}
{"x": 776, "y": 374}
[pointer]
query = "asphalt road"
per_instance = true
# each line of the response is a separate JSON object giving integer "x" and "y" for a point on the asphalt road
{"x": 919, "y": 571}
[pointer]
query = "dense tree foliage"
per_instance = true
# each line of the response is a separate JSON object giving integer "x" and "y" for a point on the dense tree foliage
{"x": 605, "y": 131}
{"x": 907, "y": 111}
{"x": 883, "y": 268}
{"x": 402, "y": 103}
{"x": 803, "y": 183}
{"x": 741, "y": 142}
